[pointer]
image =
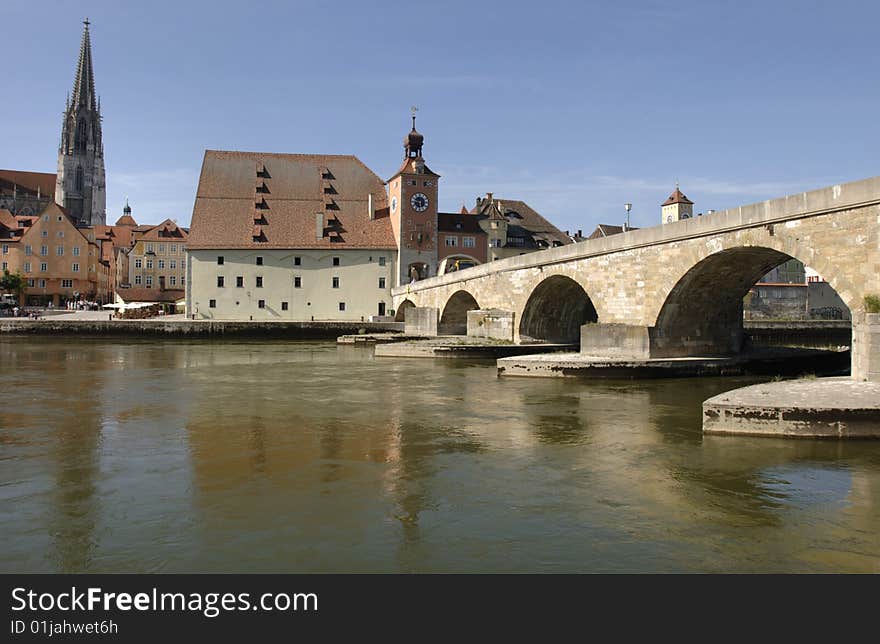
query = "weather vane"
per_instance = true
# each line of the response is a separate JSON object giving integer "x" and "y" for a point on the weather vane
{"x": 413, "y": 110}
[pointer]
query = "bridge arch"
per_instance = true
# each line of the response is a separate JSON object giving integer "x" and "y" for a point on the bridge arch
{"x": 702, "y": 314}
{"x": 400, "y": 314}
{"x": 555, "y": 311}
{"x": 453, "y": 320}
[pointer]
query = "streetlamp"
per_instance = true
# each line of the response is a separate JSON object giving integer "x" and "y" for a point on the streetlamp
{"x": 628, "y": 207}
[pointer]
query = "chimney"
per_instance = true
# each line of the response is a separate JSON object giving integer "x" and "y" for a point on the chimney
{"x": 580, "y": 233}
{"x": 479, "y": 203}
{"x": 489, "y": 196}
{"x": 371, "y": 211}
{"x": 319, "y": 225}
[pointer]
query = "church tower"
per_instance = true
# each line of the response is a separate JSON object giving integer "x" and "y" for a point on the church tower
{"x": 676, "y": 207}
{"x": 412, "y": 195}
{"x": 80, "y": 185}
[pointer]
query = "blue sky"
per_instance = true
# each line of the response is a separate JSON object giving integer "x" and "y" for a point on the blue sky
{"x": 574, "y": 107}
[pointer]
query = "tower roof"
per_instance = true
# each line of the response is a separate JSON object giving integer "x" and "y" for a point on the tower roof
{"x": 677, "y": 197}
{"x": 84, "y": 81}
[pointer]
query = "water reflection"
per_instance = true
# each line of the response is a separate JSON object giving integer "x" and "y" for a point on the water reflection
{"x": 200, "y": 456}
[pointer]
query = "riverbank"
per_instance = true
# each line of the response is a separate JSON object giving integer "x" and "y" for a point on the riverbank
{"x": 759, "y": 361}
{"x": 460, "y": 346}
{"x": 193, "y": 328}
{"x": 833, "y": 408}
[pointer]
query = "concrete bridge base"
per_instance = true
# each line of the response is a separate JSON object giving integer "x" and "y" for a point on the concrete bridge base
{"x": 622, "y": 341}
{"x": 493, "y": 324}
{"x": 866, "y": 347}
{"x": 422, "y": 321}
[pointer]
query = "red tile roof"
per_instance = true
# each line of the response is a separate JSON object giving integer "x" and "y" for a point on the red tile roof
{"x": 677, "y": 197}
{"x": 223, "y": 215}
{"x": 45, "y": 181}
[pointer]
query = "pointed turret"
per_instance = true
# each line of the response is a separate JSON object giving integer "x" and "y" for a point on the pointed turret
{"x": 80, "y": 185}
{"x": 84, "y": 81}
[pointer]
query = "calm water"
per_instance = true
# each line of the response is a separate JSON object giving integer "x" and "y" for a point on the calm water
{"x": 289, "y": 457}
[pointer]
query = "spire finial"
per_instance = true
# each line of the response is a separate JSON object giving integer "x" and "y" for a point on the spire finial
{"x": 86, "y": 22}
{"x": 413, "y": 110}
{"x": 676, "y": 184}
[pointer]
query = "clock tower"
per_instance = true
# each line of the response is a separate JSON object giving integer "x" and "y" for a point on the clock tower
{"x": 676, "y": 207}
{"x": 412, "y": 198}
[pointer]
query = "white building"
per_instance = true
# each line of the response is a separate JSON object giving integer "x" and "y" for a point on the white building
{"x": 289, "y": 237}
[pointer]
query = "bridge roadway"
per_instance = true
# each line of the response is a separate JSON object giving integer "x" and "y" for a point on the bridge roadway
{"x": 676, "y": 290}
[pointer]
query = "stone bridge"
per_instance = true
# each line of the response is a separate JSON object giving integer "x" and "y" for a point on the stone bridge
{"x": 675, "y": 290}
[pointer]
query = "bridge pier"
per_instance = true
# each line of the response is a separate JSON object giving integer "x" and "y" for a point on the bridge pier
{"x": 866, "y": 347}
{"x": 421, "y": 320}
{"x": 626, "y": 341}
{"x": 492, "y": 324}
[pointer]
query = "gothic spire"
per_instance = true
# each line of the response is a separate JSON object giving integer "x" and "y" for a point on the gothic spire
{"x": 84, "y": 82}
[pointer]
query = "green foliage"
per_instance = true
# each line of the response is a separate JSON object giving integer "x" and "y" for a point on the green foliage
{"x": 872, "y": 303}
{"x": 13, "y": 282}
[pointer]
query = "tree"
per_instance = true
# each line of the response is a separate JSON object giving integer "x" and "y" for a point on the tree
{"x": 13, "y": 283}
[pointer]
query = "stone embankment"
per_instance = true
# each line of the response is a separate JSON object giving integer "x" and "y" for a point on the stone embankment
{"x": 833, "y": 408}
{"x": 193, "y": 328}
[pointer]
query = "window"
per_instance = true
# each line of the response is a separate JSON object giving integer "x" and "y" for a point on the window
{"x": 183, "y": 263}
{"x": 259, "y": 261}
{"x": 284, "y": 306}
{"x": 239, "y": 281}
{"x": 5, "y": 249}
{"x": 161, "y": 263}
{"x": 297, "y": 261}
{"x": 64, "y": 283}
{"x": 44, "y": 250}
{"x": 220, "y": 280}
{"x": 149, "y": 280}
{"x": 150, "y": 250}
{"x": 69, "y": 283}
{"x": 27, "y": 250}
{"x": 59, "y": 250}
{"x": 45, "y": 218}
{"x": 219, "y": 260}
{"x": 137, "y": 280}
{"x": 172, "y": 280}
{"x": 452, "y": 241}
{"x": 381, "y": 282}
{"x": 149, "y": 263}
{"x": 335, "y": 282}
{"x": 212, "y": 304}
{"x": 31, "y": 282}
{"x": 342, "y": 306}
{"x": 162, "y": 249}
{"x": 468, "y": 242}
{"x": 60, "y": 232}
{"x": 44, "y": 266}
{"x": 183, "y": 281}
{"x": 173, "y": 250}
{"x": 44, "y": 233}
{"x": 173, "y": 263}
{"x": 5, "y": 266}
{"x": 261, "y": 304}
{"x": 75, "y": 268}
{"x": 336, "y": 261}
{"x": 76, "y": 251}
{"x": 259, "y": 281}
{"x": 297, "y": 282}
{"x": 381, "y": 261}
{"x": 27, "y": 267}
{"x": 138, "y": 263}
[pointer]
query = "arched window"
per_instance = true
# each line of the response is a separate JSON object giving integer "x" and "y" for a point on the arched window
{"x": 81, "y": 135}
{"x": 78, "y": 180}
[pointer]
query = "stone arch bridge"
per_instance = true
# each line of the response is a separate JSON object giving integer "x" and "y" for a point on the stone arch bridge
{"x": 675, "y": 290}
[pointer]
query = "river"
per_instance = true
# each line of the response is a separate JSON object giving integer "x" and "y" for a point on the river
{"x": 201, "y": 456}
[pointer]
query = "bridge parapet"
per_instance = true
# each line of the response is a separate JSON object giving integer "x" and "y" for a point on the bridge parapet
{"x": 845, "y": 196}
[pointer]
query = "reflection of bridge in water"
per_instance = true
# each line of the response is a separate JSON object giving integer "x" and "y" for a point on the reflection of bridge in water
{"x": 677, "y": 290}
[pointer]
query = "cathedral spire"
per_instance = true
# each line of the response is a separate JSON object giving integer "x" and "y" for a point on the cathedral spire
{"x": 84, "y": 82}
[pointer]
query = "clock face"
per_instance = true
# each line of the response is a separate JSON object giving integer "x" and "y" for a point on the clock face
{"x": 419, "y": 202}
{"x": 393, "y": 204}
